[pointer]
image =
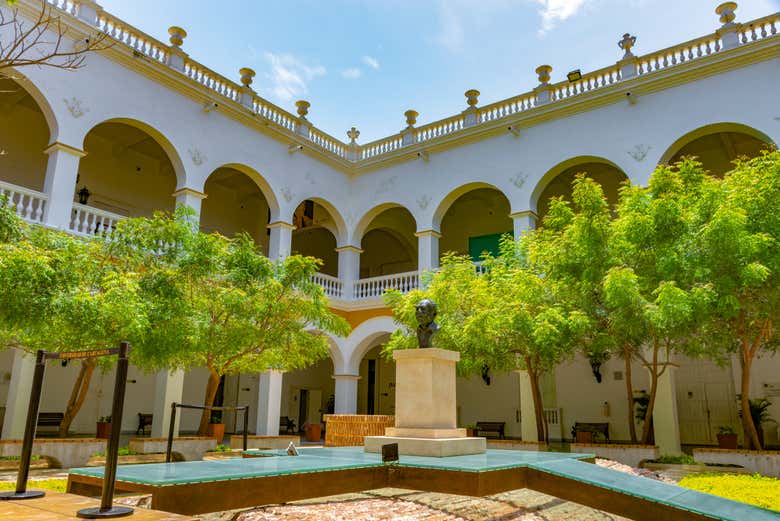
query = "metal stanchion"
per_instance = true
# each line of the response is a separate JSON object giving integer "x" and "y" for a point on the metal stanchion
{"x": 169, "y": 449}
{"x": 246, "y": 420}
{"x": 107, "y": 508}
{"x": 29, "y": 435}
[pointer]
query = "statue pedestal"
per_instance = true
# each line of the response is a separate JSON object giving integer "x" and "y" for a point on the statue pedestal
{"x": 426, "y": 407}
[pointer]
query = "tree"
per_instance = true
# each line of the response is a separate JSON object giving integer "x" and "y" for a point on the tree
{"x": 222, "y": 304}
{"x": 738, "y": 255}
{"x": 508, "y": 318}
{"x": 42, "y": 41}
{"x": 653, "y": 300}
{"x": 62, "y": 293}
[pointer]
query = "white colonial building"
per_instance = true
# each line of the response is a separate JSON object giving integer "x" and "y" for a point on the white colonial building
{"x": 143, "y": 126}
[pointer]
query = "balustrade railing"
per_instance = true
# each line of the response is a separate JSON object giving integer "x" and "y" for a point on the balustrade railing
{"x": 137, "y": 40}
{"x": 28, "y": 204}
{"x": 93, "y": 222}
{"x": 376, "y": 286}
{"x": 759, "y": 29}
{"x": 332, "y": 286}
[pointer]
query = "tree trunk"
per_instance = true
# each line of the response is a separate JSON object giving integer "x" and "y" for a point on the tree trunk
{"x": 629, "y": 394}
{"x": 751, "y": 433}
{"x": 77, "y": 395}
{"x": 208, "y": 401}
{"x": 538, "y": 406}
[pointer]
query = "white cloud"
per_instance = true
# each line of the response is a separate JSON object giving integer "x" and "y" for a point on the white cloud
{"x": 450, "y": 33}
{"x": 289, "y": 76}
{"x": 352, "y": 73}
{"x": 555, "y": 11}
{"x": 371, "y": 62}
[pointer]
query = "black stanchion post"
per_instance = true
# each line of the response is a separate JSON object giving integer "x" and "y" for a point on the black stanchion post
{"x": 107, "y": 508}
{"x": 169, "y": 448}
{"x": 29, "y": 434}
{"x": 246, "y": 419}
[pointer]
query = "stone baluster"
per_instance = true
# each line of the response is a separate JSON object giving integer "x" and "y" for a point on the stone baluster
{"x": 729, "y": 31}
{"x": 176, "y": 56}
{"x": 629, "y": 63}
{"x": 302, "y": 125}
{"x": 544, "y": 90}
{"x": 247, "y": 94}
{"x": 353, "y": 149}
{"x": 408, "y": 135}
{"x": 471, "y": 114}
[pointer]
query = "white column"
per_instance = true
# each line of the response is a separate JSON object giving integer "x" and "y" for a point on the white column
{"x": 280, "y": 241}
{"x": 528, "y": 430}
{"x": 346, "y": 393}
{"x": 427, "y": 250}
{"x": 168, "y": 388}
{"x": 60, "y": 184}
{"x": 269, "y": 403}
{"x": 666, "y": 425}
{"x": 18, "y": 400}
{"x": 523, "y": 222}
{"x": 349, "y": 269}
{"x": 192, "y": 198}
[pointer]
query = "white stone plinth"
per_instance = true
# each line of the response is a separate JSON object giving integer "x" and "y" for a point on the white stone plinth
{"x": 434, "y": 447}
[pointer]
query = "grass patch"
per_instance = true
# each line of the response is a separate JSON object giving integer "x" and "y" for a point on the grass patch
{"x": 16, "y": 458}
{"x": 684, "y": 459}
{"x": 755, "y": 490}
{"x": 222, "y": 448}
{"x": 123, "y": 451}
{"x": 58, "y": 485}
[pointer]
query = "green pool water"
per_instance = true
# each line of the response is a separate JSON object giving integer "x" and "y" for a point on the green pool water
{"x": 341, "y": 458}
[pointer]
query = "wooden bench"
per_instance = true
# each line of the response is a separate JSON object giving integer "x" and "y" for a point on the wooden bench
{"x": 144, "y": 420}
{"x": 50, "y": 419}
{"x": 496, "y": 428}
{"x": 593, "y": 428}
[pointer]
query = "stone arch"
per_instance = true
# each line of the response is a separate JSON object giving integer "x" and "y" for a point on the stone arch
{"x": 454, "y": 195}
{"x": 708, "y": 130}
{"x": 362, "y": 226}
{"x": 170, "y": 150}
{"x": 562, "y": 167}
{"x": 41, "y": 100}
{"x": 339, "y": 228}
{"x": 362, "y": 338}
{"x": 262, "y": 184}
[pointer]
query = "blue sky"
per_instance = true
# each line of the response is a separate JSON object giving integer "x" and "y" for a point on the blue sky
{"x": 364, "y": 63}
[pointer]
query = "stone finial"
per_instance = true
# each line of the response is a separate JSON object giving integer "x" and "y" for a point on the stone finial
{"x": 353, "y": 134}
{"x": 303, "y": 107}
{"x": 626, "y": 44}
{"x": 472, "y": 97}
{"x": 544, "y": 73}
{"x": 411, "y": 117}
{"x": 247, "y": 76}
{"x": 726, "y": 12}
{"x": 177, "y": 36}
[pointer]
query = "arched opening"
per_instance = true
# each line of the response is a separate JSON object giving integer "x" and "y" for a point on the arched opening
{"x": 126, "y": 173}
{"x": 376, "y": 387}
{"x": 560, "y": 179}
{"x": 308, "y": 394}
{"x": 474, "y": 223}
{"x": 315, "y": 235}
{"x": 717, "y": 146}
{"x": 235, "y": 204}
{"x": 388, "y": 243}
{"x": 24, "y": 134}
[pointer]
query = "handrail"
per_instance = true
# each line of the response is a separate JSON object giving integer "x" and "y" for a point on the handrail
{"x": 93, "y": 222}
{"x": 30, "y": 205}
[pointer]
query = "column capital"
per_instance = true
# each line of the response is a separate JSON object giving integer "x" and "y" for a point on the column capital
{"x": 191, "y": 192}
{"x": 280, "y": 224}
{"x": 346, "y": 377}
{"x": 349, "y": 248}
{"x": 428, "y": 233}
{"x": 57, "y": 146}
{"x": 524, "y": 213}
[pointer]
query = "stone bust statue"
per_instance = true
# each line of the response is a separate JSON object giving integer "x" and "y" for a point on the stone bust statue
{"x": 426, "y": 314}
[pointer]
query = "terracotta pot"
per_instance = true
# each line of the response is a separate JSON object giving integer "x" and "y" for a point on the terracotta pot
{"x": 471, "y": 433}
{"x": 727, "y": 441}
{"x": 584, "y": 437}
{"x": 216, "y": 430}
{"x": 314, "y": 432}
{"x": 103, "y": 430}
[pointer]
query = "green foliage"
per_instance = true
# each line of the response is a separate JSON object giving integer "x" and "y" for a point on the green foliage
{"x": 755, "y": 490}
{"x": 57, "y": 485}
{"x": 683, "y": 459}
{"x": 34, "y": 457}
{"x": 123, "y": 451}
{"x": 222, "y": 448}
{"x": 726, "y": 430}
{"x": 759, "y": 411}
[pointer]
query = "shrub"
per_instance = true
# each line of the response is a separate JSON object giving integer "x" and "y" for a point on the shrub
{"x": 684, "y": 459}
{"x": 222, "y": 448}
{"x": 58, "y": 485}
{"x": 755, "y": 490}
{"x": 123, "y": 451}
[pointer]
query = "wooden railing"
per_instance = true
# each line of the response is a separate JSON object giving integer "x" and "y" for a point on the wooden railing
{"x": 28, "y": 204}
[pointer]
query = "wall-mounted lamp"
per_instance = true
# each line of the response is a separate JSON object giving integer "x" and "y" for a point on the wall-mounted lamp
{"x": 84, "y": 194}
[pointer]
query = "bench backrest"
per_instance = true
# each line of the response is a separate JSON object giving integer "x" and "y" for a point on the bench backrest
{"x": 592, "y": 427}
{"x": 50, "y": 418}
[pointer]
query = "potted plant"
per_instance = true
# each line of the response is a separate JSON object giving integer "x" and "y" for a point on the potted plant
{"x": 760, "y": 415}
{"x": 313, "y": 431}
{"x": 727, "y": 437}
{"x": 104, "y": 427}
{"x": 216, "y": 429}
{"x": 471, "y": 431}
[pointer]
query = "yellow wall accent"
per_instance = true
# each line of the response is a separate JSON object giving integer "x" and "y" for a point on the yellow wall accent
{"x": 357, "y": 317}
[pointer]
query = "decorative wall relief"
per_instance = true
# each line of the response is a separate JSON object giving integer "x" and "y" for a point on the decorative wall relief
{"x": 639, "y": 152}
{"x": 518, "y": 180}
{"x": 198, "y": 158}
{"x": 76, "y": 107}
{"x": 310, "y": 178}
{"x": 287, "y": 193}
{"x": 423, "y": 201}
{"x": 384, "y": 186}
